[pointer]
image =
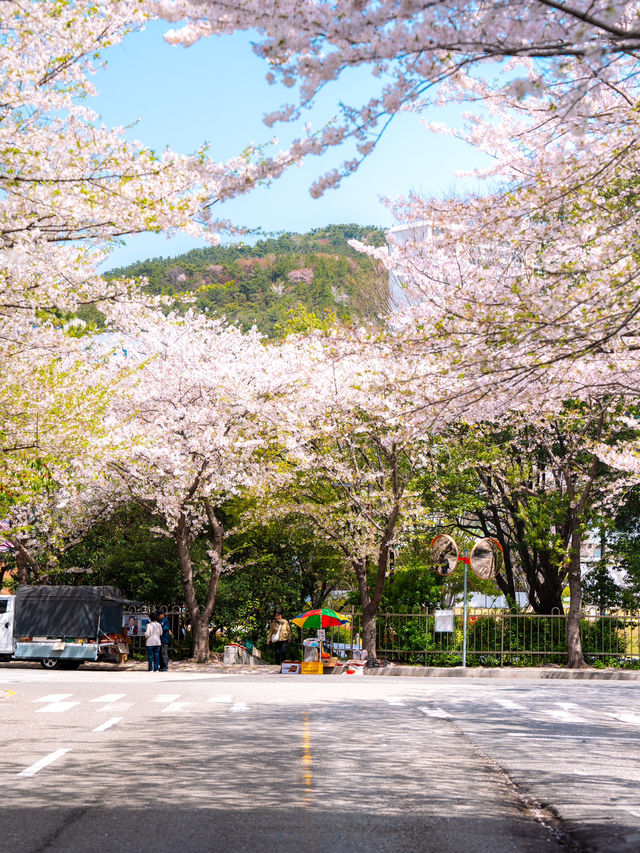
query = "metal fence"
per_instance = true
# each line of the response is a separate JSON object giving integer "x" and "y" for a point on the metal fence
{"x": 139, "y": 616}
{"x": 501, "y": 638}
{"x": 494, "y": 637}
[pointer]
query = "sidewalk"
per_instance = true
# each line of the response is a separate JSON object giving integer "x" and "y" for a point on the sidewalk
{"x": 507, "y": 672}
{"x": 551, "y": 672}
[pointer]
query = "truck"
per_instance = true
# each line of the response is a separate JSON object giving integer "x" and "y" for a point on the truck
{"x": 62, "y": 626}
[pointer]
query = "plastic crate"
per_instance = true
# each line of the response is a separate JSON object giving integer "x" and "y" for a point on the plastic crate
{"x": 312, "y": 667}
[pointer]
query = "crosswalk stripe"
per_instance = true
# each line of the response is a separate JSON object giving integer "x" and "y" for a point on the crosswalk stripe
{"x": 627, "y": 718}
{"x": 223, "y": 698}
{"x": 53, "y": 697}
{"x": 57, "y": 707}
{"x": 394, "y": 700}
{"x": 563, "y": 716}
{"x": 107, "y": 725}
{"x": 509, "y": 705}
{"x": 177, "y": 706}
{"x": 48, "y": 759}
{"x": 435, "y": 712}
{"x": 115, "y": 706}
{"x": 166, "y": 697}
{"x": 239, "y": 706}
{"x": 109, "y": 697}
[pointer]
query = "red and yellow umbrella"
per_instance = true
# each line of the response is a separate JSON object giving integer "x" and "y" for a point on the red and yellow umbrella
{"x": 322, "y": 618}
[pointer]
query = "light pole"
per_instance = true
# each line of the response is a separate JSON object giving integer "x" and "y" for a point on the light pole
{"x": 465, "y": 560}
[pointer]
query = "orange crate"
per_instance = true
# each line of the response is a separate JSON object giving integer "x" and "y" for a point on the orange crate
{"x": 312, "y": 667}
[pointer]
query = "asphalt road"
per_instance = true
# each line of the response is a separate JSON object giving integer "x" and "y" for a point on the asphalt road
{"x": 120, "y": 762}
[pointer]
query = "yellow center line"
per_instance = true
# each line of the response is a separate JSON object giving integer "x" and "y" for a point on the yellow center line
{"x": 307, "y": 762}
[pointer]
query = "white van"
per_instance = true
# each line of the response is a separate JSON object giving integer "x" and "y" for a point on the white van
{"x": 7, "y": 614}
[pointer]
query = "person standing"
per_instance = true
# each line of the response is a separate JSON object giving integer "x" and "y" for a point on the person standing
{"x": 279, "y": 635}
{"x": 164, "y": 641}
{"x": 153, "y": 633}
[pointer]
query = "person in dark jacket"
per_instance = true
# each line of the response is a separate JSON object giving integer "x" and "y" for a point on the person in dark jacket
{"x": 279, "y": 635}
{"x": 164, "y": 641}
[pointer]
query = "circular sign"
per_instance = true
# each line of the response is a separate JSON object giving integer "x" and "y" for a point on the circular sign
{"x": 486, "y": 558}
{"x": 444, "y": 554}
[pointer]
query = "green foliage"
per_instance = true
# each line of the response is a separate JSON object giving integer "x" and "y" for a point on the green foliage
{"x": 124, "y": 551}
{"x": 273, "y": 563}
{"x": 622, "y": 555}
{"x": 412, "y": 589}
{"x": 315, "y": 277}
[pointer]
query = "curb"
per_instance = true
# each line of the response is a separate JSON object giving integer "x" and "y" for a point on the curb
{"x": 480, "y": 672}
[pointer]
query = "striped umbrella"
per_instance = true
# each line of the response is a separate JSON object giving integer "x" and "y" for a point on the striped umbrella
{"x": 323, "y": 618}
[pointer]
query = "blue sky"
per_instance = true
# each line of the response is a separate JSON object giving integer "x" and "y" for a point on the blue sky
{"x": 215, "y": 91}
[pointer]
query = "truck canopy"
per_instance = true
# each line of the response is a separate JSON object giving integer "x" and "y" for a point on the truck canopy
{"x": 68, "y": 611}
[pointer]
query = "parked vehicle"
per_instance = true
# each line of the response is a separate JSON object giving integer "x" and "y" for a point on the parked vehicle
{"x": 62, "y": 626}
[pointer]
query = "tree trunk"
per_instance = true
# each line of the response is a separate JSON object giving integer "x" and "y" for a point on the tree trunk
{"x": 200, "y": 636}
{"x": 575, "y": 657}
{"x": 22, "y": 573}
{"x": 200, "y": 616}
{"x": 199, "y": 627}
{"x": 368, "y": 638}
{"x": 25, "y": 561}
{"x": 371, "y": 601}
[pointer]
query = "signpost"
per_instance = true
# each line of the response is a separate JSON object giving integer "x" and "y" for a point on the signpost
{"x": 444, "y": 622}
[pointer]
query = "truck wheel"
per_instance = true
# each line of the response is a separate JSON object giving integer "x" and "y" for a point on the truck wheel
{"x": 50, "y": 663}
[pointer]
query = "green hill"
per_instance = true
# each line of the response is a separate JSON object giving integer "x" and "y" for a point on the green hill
{"x": 272, "y": 281}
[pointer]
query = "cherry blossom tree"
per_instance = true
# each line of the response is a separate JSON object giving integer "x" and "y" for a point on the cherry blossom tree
{"x": 419, "y": 54}
{"x": 53, "y": 398}
{"x": 70, "y": 187}
{"x": 544, "y": 260}
{"x": 197, "y": 421}
{"x": 353, "y": 440}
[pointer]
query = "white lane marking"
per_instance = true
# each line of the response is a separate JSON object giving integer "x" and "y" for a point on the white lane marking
{"x": 54, "y": 697}
{"x": 538, "y": 736}
{"x": 394, "y": 700}
{"x": 48, "y": 759}
{"x": 177, "y": 706}
{"x": 626, "y": 718}
{"x": 435, "y": 712}
{"x": 574, "y": 737}
{"x": 107, "y": 725}
{"x": 109, "y": 697}
{"x": 567, "y": 706}
{"x": 57, "y": 707}
{"x": 563, "y": 716}
{"x": 631, "y": 811}
{"x": 166, "y": 697}
{"x": 509, "y": 705}
{"x": 239, "y": 707}
{"x": 222, "y": 698}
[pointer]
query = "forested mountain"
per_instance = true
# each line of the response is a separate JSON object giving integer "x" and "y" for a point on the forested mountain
{"x": 274, "y": 281}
